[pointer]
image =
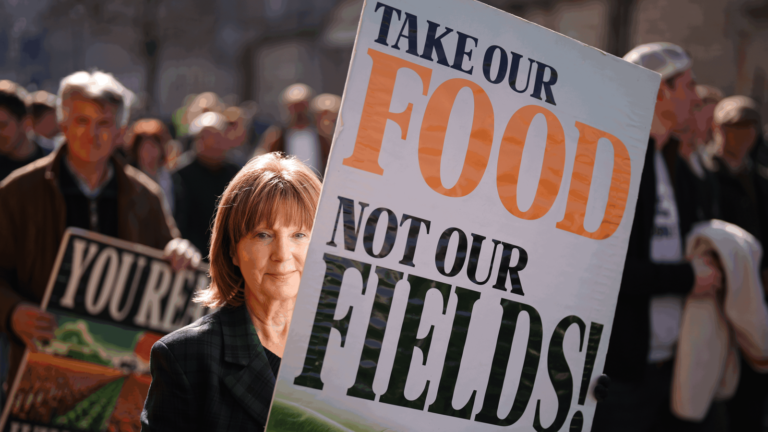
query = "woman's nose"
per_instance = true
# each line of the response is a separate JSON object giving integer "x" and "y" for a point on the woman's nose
{"x": 281, "y": 250}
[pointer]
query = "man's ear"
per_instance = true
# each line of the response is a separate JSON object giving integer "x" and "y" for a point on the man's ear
{"x": 663, "y": 92}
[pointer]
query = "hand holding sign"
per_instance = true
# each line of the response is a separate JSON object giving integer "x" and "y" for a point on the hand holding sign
{"x": 30, "y": 323}
{"x": 181, "y": 254}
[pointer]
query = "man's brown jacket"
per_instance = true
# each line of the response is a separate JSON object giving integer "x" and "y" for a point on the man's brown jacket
{"x": 32, "y": 224}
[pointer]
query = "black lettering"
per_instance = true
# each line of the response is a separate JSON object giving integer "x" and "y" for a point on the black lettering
{"x": 514, "y": 67}
{"x": 443, "y": 404}
{"x": 395, "y": 394}
{"x": 488, "y": 414}
{"x": 461, "y": 51}
{"x": 413, "y": 237}
{"x": 595, "y": 332}
{"x": 435, "y": 43}
{"x": 412, "y": 35}
{"x": 442, "y": 250}
{"x": 546, "y": 85}
{"x": 323, "y": 323}
{"x": 488, "y": 62}
{"x": 386, "y": 20}
{"x": 474, "y": 257}
{"x": 577, "y": 422}
{"x": 374, "y": 336}
{"x": 559, "y": 374}
{"x": 504, "y": 269}
{"x": 370, "y": 231}
{"x": 347, "y": 206}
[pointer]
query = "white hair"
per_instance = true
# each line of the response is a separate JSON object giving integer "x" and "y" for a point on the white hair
{"x": 98, "y": 86}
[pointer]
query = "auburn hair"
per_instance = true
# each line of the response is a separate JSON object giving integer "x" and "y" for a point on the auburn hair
{"x": 150, "y": 128}
{"x": 269, "y": 188}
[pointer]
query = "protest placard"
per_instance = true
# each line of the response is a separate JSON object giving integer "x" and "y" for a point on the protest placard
{"x": 468, "y": 248}
{"x": 112, "y": 300}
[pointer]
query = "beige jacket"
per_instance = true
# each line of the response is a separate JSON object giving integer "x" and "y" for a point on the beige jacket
{"x": 716, "y": 327}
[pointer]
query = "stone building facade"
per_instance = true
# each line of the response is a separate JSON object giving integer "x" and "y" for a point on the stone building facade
{"x": 251, "y": 49}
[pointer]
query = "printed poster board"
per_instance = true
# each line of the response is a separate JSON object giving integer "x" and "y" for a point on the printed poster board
{"x": 112, "y": 301}
{"x": 468, "y": 248}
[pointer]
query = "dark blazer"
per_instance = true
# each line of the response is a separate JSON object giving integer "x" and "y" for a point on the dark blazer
{"x": 696, "y": 201}
{"x": 212, "y": 375}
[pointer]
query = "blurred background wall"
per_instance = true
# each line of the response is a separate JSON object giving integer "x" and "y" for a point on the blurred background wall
{"x": 165, "y": 50}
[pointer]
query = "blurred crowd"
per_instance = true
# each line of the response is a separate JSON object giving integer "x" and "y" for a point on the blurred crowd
{"x": 77, "y": 159}
{"x": 210, "y": 142}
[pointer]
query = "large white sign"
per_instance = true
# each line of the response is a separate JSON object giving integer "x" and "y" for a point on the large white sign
{"x": 468, "y": 248}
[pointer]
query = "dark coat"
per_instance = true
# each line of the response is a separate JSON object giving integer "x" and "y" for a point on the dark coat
{"x": 696, "y": 201}
{"x": 196, "y": 194}
{"x": 744, "y": 197}
{"x": 33, "y": 218}
{"x": 212, "y": 375}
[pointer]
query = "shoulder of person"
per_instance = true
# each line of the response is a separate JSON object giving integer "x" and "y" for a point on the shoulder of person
{"x": 273, "y": 132}
{"x": 142, "y": 181}
{"x": 202, "y": 337}
{"x": 27, "y": 176}
{"x": 184, "y": 162}
{"x": 231, "y": 168}
{"x": 272, "y": 135}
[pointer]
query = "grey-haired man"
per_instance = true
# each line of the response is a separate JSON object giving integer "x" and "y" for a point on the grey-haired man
{"x": 78, "y": 185}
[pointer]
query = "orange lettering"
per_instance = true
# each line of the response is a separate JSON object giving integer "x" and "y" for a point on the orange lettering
{"x": 511, "y": 152}
{"x": 373, "y": 122}
{"x": 578, "y": 196}
{"x": 432, "y": 138}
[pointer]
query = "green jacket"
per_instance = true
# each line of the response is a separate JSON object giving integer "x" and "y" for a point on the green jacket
{"x": 212, "y": 375}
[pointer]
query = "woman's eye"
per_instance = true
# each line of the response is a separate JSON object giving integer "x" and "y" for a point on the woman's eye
{"x": 262, "y": 236}
{"x": 300, "y": 235}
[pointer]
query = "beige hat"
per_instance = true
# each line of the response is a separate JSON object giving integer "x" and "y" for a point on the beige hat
{"x": 296, "y": 93}
{"x": 325, "y": 102}
{"x": 665, "y": 58}
{"x": 203, "y": 103}
{"x": 736, "y": 109}
{"x": 232, "y": 114}
{"x": 208, "y": 120}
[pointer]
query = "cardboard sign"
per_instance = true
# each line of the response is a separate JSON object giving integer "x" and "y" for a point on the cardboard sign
{"x": 469, "y": 243}
{"x": 112, "y": 301}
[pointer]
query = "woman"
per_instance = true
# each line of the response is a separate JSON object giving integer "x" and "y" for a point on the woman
{"x": 218, "y": 374}
{"x": 148, "y": 144}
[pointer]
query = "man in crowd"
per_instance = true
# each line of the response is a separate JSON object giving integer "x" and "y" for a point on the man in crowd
{"x": 79, "y": 185}
{"x": 237, "y": 133}
{"x": 325, "y": 108}
{"x": 741, "y": 168}
{"x": 16, "y": 149}
{"x": 298, "y": 138}
{"x": 656, "y": 276}
{"x": 704, "y": 113}
{"x": 198, "y": 185}
{"x": 44, "y": 124}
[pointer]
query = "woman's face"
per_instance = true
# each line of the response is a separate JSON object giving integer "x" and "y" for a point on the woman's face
{"x": 149, "y": 155}
{"x": 272, "y": 260}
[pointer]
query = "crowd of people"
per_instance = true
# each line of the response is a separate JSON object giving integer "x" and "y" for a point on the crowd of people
{"x": 76, "y": 160}
{"x": 705, "y": 160}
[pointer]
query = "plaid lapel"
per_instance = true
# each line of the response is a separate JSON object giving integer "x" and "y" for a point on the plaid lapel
{"x": 254, "y": 384}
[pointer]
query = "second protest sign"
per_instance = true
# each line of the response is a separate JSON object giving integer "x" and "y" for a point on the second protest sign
{"x": 469, "y": 243}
